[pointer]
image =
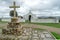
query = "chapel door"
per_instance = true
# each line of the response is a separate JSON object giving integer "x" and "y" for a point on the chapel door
{"x": 59, "y": 21}
{"x": 29, "y": 18}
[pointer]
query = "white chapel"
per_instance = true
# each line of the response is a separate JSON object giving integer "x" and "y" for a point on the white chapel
{"x": 36, "y": 19}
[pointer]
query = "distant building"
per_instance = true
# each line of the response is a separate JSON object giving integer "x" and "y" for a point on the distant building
{"x": 33, "y": 18}
{"x": 46, "y": 20}
{"x": 20, "y": 19}
{"x": 6, "y": 19}
{"x": 29, "y": 16}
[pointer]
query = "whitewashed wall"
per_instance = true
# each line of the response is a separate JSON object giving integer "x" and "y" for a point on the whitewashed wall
{"x": 21, "y": 20}
{"x": 6, "y": 19}
{"x": 45, "y": 20}
{"x": 9, "y": 20}
{"x": 26, "y": 17}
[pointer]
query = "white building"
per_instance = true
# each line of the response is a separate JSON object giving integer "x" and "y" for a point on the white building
{"x": 36, "y": 19}
{"x": 6, "y": 19}
{"x": 46, "y": 20}
{"x": 33, "y": 16}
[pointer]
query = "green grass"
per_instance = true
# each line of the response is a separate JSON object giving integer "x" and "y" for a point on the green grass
{"x": 56, "y": 35}
{"x": 3, "y": 22}
{"x": 57, "y": 25}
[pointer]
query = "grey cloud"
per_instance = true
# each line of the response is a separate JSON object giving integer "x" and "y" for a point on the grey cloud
{"x": 49, "y": 7}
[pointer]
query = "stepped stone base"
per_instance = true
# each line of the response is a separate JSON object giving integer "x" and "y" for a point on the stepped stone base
{"x": 13, "y": 28}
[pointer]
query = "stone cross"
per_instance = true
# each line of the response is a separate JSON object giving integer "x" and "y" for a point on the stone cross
{"x": 14, "y": 6}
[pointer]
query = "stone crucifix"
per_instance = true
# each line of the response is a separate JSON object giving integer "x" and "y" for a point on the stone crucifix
{"x": 14, "y": 6}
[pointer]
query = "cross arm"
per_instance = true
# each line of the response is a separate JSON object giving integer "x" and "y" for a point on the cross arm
{"x": 14, "y": 7}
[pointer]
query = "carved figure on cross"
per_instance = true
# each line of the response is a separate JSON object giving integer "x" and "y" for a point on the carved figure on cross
{"x": 14, "y": 6}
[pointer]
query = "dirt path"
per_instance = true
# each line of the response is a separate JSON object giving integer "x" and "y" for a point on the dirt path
{"x": 51, "y": 29}
{"x": 3, "y": 25}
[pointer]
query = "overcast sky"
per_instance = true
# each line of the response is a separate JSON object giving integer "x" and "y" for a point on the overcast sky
{"x": 38, "y": 7}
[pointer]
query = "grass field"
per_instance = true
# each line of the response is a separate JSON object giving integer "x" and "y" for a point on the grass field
{"x": 56, "y": 35}
{"x": 57, "y": 25}
{"x": 3, "y": 22}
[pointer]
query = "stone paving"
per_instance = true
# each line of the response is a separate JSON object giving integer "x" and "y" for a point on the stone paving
{"x": 38, "y": 34}
{"x": 32, "y": 34}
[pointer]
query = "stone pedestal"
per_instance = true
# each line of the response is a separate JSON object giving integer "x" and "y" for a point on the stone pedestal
{"x": 14, "y": 19}
{"x": 13, "y": 28}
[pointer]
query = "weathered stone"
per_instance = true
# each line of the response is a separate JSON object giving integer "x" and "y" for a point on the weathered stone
{"x": 42, "y": 36}
{"x": 47, "y": 35}
{"x": 35, "y": 34}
